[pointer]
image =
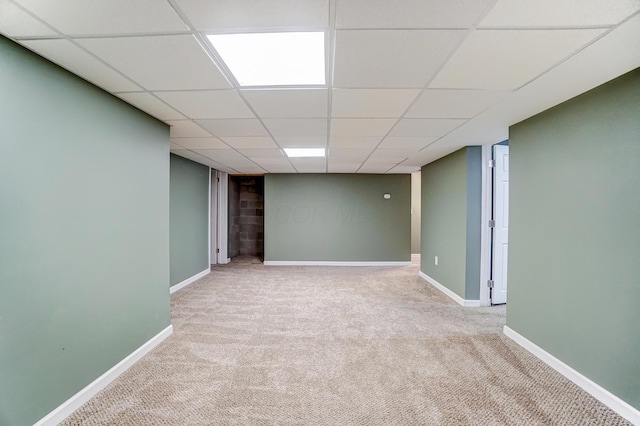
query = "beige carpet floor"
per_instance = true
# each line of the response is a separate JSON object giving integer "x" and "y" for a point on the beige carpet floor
{"x": 257, "y": 345}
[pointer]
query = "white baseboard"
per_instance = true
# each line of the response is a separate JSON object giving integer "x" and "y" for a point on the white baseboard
{"x": 451, "y": 294}
{"x": 72, "y": 404}
{"x": 330, "y": 263}
{"x": 601, "y": 394}
{"x": 190, "y": 280}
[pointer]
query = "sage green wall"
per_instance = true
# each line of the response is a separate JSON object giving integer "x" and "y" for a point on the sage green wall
{"x": 337, "y": 217}
{"x": 473, "y": 219}
{"x": 575, "y": 234}
{"x": 451, "y": 208}
{"x": 444, "y": 213}
{"x": 415, "y": 209}
{"x": 189, "y": 218}
{"x": 84, "y": 233}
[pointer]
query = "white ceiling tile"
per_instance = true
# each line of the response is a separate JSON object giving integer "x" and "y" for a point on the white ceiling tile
{"x": 310, "y": 165}
{"x": 558, "y": 13}
{"x": 404, "y": 169}
{"x": 252, "y": 14}
{"x": 200, "y": 143}
{"x": 280, "y": 162}
{"x": 151, "y": 105}
{"x": 425, "y": 127}
{"x": 175, "y": 147}
{"x": 349, "y": 155}
{"x": 454, "y": 103}
{"x": 69, "y": 56}
{"x": 508, "y": 59}
{"x": 391, "y": 58}
{"x": 207, "y": 103}
{"x": 248, "y": 142}
{"x": 352, "y": 142}
{"x": 14, "y": 22}
{"x": 431, "y": 153}
{"x": 250, "y": 169}
{"x": 288, "y": 103}
{"x": 234, "y": 127}
{"x": 375, "y": 168}
{"x": 253, "y": 153}
{"x": 407, "y": 143}
{"x": 337, "y": 167}
{"x": 359, "y": 127}
{"x": 186, "y": 129}
{"x": 379, "y": 103}
{"x": 408, "y": 14}
{"x": 302, "y": 141}
{"x": 107, "y": 17}
{"x": 160, "y": 62}
{"x": 273, "y": 169}
{"x": 393, "y": 152}
{"x": 385, "y": 160}
{"x": 194, "y": 156}
{"x": 225, "y": 156}
{"x": 296, "y": 126}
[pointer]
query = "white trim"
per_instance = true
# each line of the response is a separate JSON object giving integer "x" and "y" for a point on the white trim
{"x": 597, "y": 391}
{"x": 485, "y": 233}
{"x": 76, "y": 401}
{"x": 188, "y": 281}
{"x": 330, "y": 263}
{"x": 451, "y": 294}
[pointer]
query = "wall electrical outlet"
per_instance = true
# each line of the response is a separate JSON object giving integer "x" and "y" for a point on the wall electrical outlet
{"x": 435, "y": 260}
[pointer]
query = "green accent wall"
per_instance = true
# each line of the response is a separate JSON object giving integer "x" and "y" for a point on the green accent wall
{"x": 337, "y": 217}
{"x": 189, "y": 218}
{"x": 451, "y": 208}
{"x": 474, "y": 222}
{"x": 574, "y": 255}
{"x": 84, "y": 233}
{"x": 415, "y": 212}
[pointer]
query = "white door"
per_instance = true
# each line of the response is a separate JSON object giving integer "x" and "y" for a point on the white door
{"x": 501, "y": 225}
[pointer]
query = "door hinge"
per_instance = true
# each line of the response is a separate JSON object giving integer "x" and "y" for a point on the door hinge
{"x": 217, "y": 250}
{"x": 492, "y": 223}
{"x": 492, "y": 163}
{"x": 490, "y": 283}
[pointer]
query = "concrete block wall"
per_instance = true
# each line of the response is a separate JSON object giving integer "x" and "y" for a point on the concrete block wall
{"x": 234, "y": 217}
{"x": 248, "y": 217}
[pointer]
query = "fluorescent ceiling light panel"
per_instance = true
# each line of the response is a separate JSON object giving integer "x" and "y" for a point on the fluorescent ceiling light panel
{"x": 304, "y": 152}
{"x": 273, "y": 59}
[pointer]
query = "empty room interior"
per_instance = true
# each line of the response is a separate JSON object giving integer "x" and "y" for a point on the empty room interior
{"x": 308, "y": 211}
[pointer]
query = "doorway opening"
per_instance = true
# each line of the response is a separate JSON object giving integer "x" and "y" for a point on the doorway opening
{"x": 246, "y": 217}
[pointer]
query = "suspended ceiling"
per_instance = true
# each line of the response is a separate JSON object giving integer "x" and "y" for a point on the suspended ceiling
{"x": 408, "y": 81}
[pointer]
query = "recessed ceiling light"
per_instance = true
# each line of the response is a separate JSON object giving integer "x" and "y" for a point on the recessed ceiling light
{"x": 273, "y": 59}
{"x": 304, "y": 152}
